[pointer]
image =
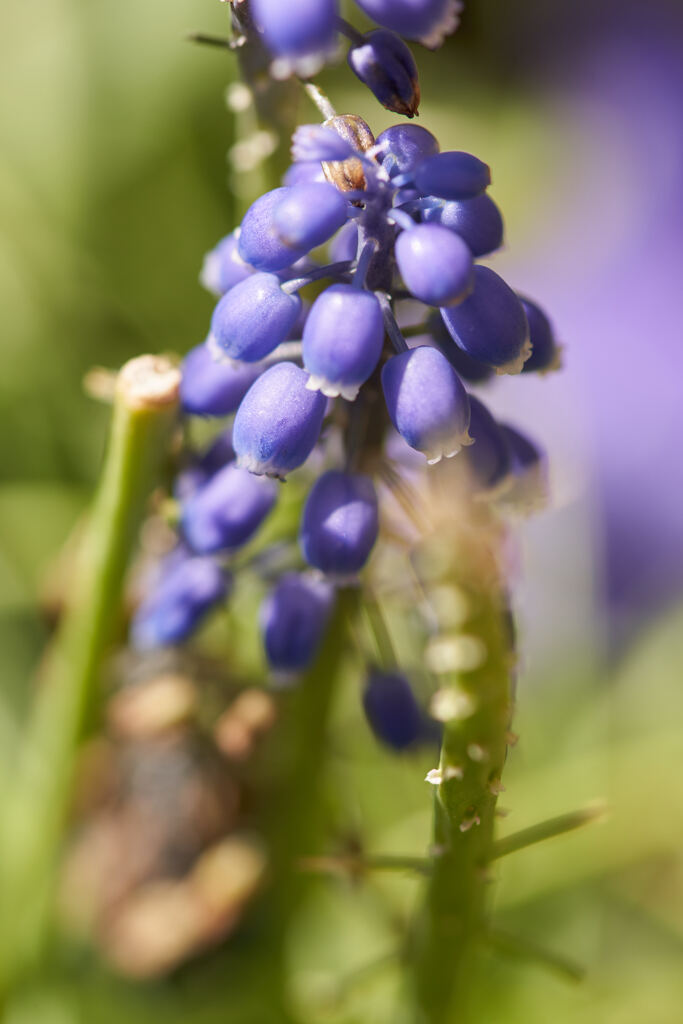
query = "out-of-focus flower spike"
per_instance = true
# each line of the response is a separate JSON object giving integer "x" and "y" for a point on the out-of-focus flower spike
{"x": 211, "y": 388}
{"x": 490, "y": 325}
{"x": 452, "y": 175}
{"x": 223, "y": 266}
{"x": 428, "y": 21}
{"x": 278, "y": 422}
{"x": 187, "y": 589}
{"x": 340, "y": 524}
{"x": 435, "y": 264}
{"x": 293, "y": 619}
{"x": 427, "y": 402}
{"x": 392, "y": 710}
{"x": 227, "y": 511}
{"x": 254, "y": 317}
{"x": 545, "y": 352}
{"x": 309, "y": 215}
{"x": 384, "y": 63}
{"x": 299, "y": 33}
{"x": 478, "y": 221}
{"x": 342, "y": 340}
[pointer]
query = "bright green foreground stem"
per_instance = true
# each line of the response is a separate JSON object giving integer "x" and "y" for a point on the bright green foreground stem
{"x": 145, "y": 408}
{"x": 472, "y": 758}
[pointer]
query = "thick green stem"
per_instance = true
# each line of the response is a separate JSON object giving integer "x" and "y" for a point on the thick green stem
{"x": 145, "y": 408}
{"x": 468, "y": 780}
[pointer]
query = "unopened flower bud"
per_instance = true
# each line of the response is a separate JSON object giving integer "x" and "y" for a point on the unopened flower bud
{"x": 391, "y": 710}
{"x": 384, "y": 63}
{"x": 340, "y": 523}
{"x": 293, "y": 619}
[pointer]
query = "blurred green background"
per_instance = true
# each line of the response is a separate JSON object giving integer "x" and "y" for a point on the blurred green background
{"x": 114, "y": 181}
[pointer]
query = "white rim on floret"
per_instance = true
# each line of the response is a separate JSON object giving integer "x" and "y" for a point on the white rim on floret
{"x": 446, "y": 25}
{"x": 332, "y": 389}
{"x": 306, "y": 65}
{"x": 448, "y": 448}
{"x": 209, "y": 275}
{"x": 219, "y": 355}
{"x": 257, "y": 466}
{"x": 515, "y": 365}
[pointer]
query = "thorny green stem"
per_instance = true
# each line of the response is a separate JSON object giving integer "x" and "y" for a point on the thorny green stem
{"x": 145, "y": 407}
{"x": 473, "y": 752}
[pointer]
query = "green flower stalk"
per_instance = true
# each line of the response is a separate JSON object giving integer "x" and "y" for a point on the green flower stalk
{"x": 144, "y": 414}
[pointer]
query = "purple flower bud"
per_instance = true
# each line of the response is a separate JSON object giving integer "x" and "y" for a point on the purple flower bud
{"x": 310, "y": 214}
{"x": 199, "y": 469}
{"x": 227, "y": 511}
{"x": 453, "y": 175}
{"x": 278, "y": 422}
{"x": 297, "y": 29}
{"x": 490, "y": 325}
{"x": 340, "y": 523}
{"x": 384, "y": 63}
{"x": 254, "y": 317}
{"x": 210, "y": 388}
{"x": 478, "y": 221}
{"x": 466, "y": 368}
{"x": 404, "y": 146}
{"x": 427, "y": 402}
{"x": 223, "y": 266}
{"x": 293, "y": 619}
{"x": 435, "y": 264}
{"x": 316, "y": 142}
{"x": 303, "y": 172}
{"x": 259, "y": 243}
{"x": 528, "y": 488}
{"x": 545, "y": 352}
{"x": 430, "y": 21}
{"x": 342, "y": 340}
{"x": 489, "y": 458}
{"x": 391, "y": 710}
{"x": 185, "y": 592}
{"x": 344, "y": 245}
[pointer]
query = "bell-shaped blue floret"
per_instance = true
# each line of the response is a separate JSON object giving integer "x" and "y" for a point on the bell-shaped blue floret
{"x": 227, "y": 511}
{"x": 489, "y": 458}
{"x": 545, "y": 352}
{"x": 259, "y": 243}
{"x": 528, "y": 490}
{"x": 223, "y": 267}
{"x": 297, "y": 29}
{"x": 403, "y": 146}
{"x": 199, "y": 468}
{"x": 384, "y": 63}
{"x": 211, "y": 388}
{"x": 278, "y": 422}
{"x": 435, "y": 264}
{"x": 490, "y": 325}
{"x": 344, "y": 245}
{"x": 342, "y": 340}
{"x": 427, "y": 402}
{"x": 254, "y": 318}
{"x": 392, "y": 710}
{"x": 186, "y": 590}
{"x": 303, "y": 172}
{"x": 340, "y": 523}
{"x": 293, "y": 618}
{"x": 430, "y": 21}
{"x": 467, "y": 368}
{"x": 309, "y": 214}
{"x": 453, "y": 175}
{"x": 478, "y": 221}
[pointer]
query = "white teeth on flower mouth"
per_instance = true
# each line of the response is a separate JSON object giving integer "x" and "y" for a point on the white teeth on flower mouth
{"x": 331, "y": 390}
{"x": 515, "y": 365}
{"x": 444, "y": 27}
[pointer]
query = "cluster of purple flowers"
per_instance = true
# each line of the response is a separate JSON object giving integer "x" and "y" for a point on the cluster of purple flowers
{"x": 404, "y": 224}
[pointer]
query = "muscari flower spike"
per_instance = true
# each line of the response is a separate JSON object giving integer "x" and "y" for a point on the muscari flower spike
{"x": 293, "y": 618}
{"x": 340, "y": 524}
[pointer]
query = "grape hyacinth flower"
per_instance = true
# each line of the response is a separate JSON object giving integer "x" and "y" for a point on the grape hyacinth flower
{"x": 478, "y": 221}
{"x": 428, "y": 21}
{"x": 309, "y": 214}
{"x": 403, "y": 146}
{"x": 435, "y": 264}
{"x": 293, "y": 619}
{"x": 278, "y": 421}
{"x": 254, "y": 317}
{"x": 453, "y": 175}
{"x": 213, "y": 388}
{"x": 259, "y": 243}
{"x": 227, "y": 511}
{"x": 300, "y": 33}
{"x": 427, "y": 402}
{"x": 489, "y": 458}
{"x": 391, "y": 710}
{"x": 223, "y": 266}
{"x": 384, "y": 63}
{"x": 340, "y": 524}
{"x": 545, "y": 352}
{"x": 342, "y": 340}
